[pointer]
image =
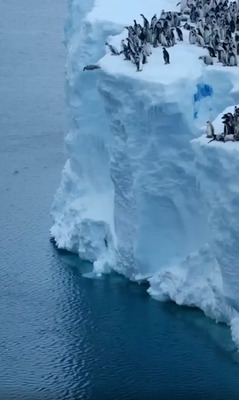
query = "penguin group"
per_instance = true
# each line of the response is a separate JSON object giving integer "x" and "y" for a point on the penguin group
{"x": 215, "y": 27}
{"x": 212, "y": 24}
{"x": 137, "y": 47}
{"x": 231, "y": 128}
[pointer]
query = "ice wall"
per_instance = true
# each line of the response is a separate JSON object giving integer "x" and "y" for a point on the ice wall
{"x": 138, "y": 194}
{"x": 155, "y": 191}
{"x": 217, "y": 164}
{"x": 83, "y": 206}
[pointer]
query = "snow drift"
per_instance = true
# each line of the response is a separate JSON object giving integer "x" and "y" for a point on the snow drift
{"x": 141, "y": 192}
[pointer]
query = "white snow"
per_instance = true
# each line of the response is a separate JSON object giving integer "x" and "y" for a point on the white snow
{"x": 143, "y": 192}
{"x": 124, "y": 11}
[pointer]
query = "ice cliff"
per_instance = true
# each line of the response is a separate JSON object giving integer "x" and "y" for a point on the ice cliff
{"x": 142, "y": 192}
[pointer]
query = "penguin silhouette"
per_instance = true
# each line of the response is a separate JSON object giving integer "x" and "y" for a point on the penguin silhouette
{"x": 166, "y": 56}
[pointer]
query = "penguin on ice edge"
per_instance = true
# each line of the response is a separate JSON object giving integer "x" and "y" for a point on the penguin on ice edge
{"x": 166, "y": 56}
{"x": 210, "y": 130}
{"x": 114, "y": 51}
{"x": 91, "y": 67}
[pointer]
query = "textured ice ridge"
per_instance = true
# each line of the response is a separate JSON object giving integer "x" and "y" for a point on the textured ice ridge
{"x": 139, "y": 192}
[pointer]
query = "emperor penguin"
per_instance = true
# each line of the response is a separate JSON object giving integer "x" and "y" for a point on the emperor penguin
{"x": 192, "y": 36}
{"x": 166, "y": 56}
{"x": 136, "y": 40}
{"x": 131, "y": 45}
{"x": 183, "y": 4}
{"x": 232, "y": 59}
{"x": 207, "y": 60}
{"x": 237, "y": 22}
{"x": 236, "y": 132}
{"x": 163, "y": 14}
{"x": 153, "y": 21}
{"x": 125, "y": 50}
{"x": 144, "y": 56}
{"x": 210, "y": 132}
{"x": 173, "y": 41}
{"x": 147, "y": 48}
{"x": 138, "y": 62}
{"x": 148, "y": 35}
{"x": 146, "y": 22}
{"x": 223, "y": 57}
{"x": 206, "y": 34}
{"x": 200, "y": 41}
{"x": 163, "y": 40}
{"x": 176, "y": 21}
{"x": 211, "y": 51}
{"x": 232, "y": 26}
{"x": 179, "y": 33}
{"x": 206, "y": 8}
{"x": 91, "y": 67}
{"x": 114, "y": 51}
{"x": 199, "y": 26}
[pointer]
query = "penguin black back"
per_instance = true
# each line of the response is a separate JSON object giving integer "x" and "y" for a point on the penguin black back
{"x": 166, "y": 56}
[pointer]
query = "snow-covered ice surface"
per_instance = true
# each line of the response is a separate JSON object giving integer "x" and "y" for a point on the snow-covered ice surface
{"x": 142, "y": 192}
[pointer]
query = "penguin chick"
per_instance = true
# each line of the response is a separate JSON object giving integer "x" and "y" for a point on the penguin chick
{"x": 166, "y": 56}
{"x": 210, "y": 130}
{"x": 114, "y": 51}
{"x": 206, "y": 59}
{"x": 211, "y": 51}
{"x": 91, "y": 67}
{"x": 179, "y": 33}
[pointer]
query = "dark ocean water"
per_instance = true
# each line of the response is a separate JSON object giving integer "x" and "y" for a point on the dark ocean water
{"x": 63, "y": 336}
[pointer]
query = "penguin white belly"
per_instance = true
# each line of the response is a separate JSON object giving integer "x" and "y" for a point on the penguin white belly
{"x": 149, "y": 36}
{"x": 163, "y": 40}
{"x": 200, "y": 41}
{"x": 140, "y": 64}
{"x": 206, "y": 37}
{"x": 192, "y": 39}
{"x": 233, "y": 61}
{"x": 183, "y": 4}
{"x": 229, "y": 138}
{"x": 209, "y": 132}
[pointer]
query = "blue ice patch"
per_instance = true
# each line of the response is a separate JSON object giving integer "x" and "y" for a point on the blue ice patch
{"x": 202, "y": 92}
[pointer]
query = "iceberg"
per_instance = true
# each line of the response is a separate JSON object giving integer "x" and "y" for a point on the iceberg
{"x": 142, "y": 191}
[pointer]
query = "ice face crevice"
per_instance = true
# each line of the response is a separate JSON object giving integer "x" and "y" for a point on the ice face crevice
{"x": 150, "y": 168}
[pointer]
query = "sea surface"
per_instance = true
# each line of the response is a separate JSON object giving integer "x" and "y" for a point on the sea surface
{"x": 63, "y": 336}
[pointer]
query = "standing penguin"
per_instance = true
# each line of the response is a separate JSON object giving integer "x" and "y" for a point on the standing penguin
{"x": 138, "y": 62}
{"x": 232, "y": 26}
{"x": 232, "y": 60}
{"x": 114, "y": 51}
{"x": 210, "y": 130}
{"x": 166, "y": 56}
{"x": 179, "y": 33}
{"x": 144, "y": 56}
{"x": 173, "y": 42}
{"x": 237, "y": 22}
{"x": 222, "y": 57}
{"x": 153, "y": 21}
{"x": 125, "y": 50}
{"x": 206, "y": 34}
{"x": 207, "y": 60}
{"x": 192, "y": 36}
{"x": 146, "y": 22}
{"x": 147, "y": 48}
{"x": 211, "y": 51}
